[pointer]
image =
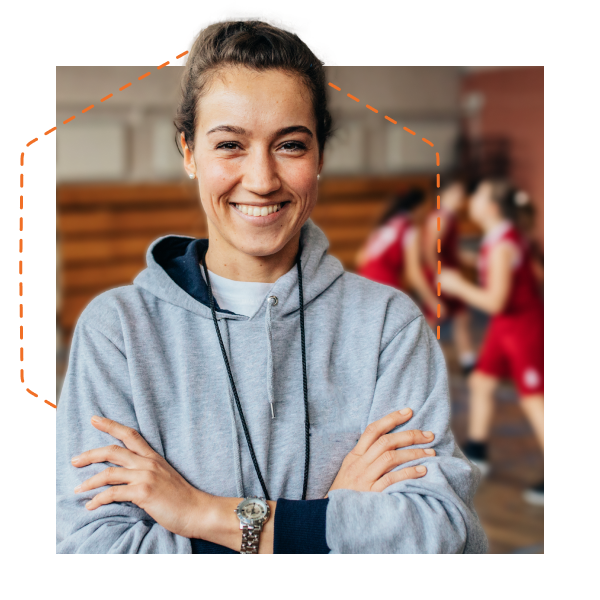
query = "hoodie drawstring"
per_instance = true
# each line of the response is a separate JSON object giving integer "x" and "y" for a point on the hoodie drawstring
{"x": 237, "y": 459}
{"x": 271, "y": 301}
{"x": 234, "y": 390}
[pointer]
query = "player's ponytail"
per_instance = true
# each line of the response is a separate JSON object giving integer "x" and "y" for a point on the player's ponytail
{"x": 511, "y": 200}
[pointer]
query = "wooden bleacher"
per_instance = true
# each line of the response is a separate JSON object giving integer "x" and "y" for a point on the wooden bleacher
{"x": 104, "y": 230}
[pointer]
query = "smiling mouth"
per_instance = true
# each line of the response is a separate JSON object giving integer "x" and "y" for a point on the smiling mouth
{"x": 260, "y": 211}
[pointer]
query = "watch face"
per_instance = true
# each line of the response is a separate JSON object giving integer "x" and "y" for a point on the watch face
{"x": 251, "y": 510}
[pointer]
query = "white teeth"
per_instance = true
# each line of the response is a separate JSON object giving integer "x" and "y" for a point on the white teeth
{"x": 258, "y": 211}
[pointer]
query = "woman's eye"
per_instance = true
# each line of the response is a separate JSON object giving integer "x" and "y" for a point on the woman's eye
{"x": 228, "y": 146}
{"x": 295, "y": 145}
{"x": 288, "y": 146}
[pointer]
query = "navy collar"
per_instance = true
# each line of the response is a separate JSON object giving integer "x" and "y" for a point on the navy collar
{"x": 184, "y": 268}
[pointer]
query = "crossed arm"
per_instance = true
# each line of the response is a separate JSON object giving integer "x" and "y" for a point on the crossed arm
{"x": 147, "y": 480}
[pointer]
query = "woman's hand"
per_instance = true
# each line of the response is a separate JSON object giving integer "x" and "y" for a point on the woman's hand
{"x": 368, "y": 466}
{"x": 433, "y": 309}
{"x": 147, "y": 480}
{"x": 451, "y": 281}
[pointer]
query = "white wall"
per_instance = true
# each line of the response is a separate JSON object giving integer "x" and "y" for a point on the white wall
{"x": 424, "y": 99}
{"x": 124, "y": 138}
{"x": 131, "y": 137}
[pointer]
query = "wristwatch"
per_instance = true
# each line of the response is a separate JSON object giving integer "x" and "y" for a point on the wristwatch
{"x": 253, "y": 512}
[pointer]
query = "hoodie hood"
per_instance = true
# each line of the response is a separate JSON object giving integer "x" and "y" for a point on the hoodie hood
{"x": 174, "y": 275}
{"x": 319, "y": 272}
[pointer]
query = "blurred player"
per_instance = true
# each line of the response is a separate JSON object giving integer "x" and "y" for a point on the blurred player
{"x": 514, "y": 342}
{"x": 393, "y": 252}
{"x": 453, "y": 196}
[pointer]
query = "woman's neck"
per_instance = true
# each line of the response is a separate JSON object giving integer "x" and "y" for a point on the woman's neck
{"x": 491, "y": 224}
{"x": 227, "y": 261}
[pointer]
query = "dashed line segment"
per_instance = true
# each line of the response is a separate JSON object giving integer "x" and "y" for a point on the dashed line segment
{"x": 437, "y": 163}
{"x": 22, "y": 371}
{"x": 21, "y": 183}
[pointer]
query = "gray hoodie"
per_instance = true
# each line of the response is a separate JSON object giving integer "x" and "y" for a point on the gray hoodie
{"x": 147, "y": 356}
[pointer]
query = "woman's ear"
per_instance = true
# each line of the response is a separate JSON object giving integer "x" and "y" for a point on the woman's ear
{"x": 188, "y": 158}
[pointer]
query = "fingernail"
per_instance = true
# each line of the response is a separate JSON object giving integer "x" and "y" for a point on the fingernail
{"x": 421, "y": 469}
{"x": 427, "y": 434}
{"x": 78, "y": 489}
{"x": 405, "y": 411}
{"x": 88, "y": 504}
{"x": 75, "y": 459}
{"x": 96, "y": 419}
{"x": 430, "y": 451}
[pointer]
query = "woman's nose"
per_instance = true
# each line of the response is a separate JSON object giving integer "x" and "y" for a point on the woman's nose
{"x": 260, "y": 175}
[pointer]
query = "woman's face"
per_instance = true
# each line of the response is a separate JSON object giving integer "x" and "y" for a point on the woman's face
{"x": 482, "y": 207}
{"x": 256, "y": 156}
{"x": 453, "y": 197}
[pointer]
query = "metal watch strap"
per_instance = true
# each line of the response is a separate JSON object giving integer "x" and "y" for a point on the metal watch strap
{"x": 250, "y": 538}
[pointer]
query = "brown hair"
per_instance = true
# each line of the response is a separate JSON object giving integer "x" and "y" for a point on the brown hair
{"x": 403, "y": 202}
{"x": 511, "y": 201}
{"x": 255, "y": 45}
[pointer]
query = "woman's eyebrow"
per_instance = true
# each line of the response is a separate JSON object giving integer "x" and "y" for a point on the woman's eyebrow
{"x": 278, "y": 133}
{"x": 228, "y": 129}
{"x": 293, "y": 129}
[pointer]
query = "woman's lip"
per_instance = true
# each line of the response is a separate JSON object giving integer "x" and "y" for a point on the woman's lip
{"x": 266, "y": 220}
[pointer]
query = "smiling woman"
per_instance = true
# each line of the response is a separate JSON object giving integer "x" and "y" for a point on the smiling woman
{"x": 269, "y": 171}
{"x": 246, "y": 393}
{"x": 253, "y": 131}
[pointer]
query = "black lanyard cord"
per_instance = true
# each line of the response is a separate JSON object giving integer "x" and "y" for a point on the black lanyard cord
{"x": 235, "y": 394}
{"x": 304, "y": 382}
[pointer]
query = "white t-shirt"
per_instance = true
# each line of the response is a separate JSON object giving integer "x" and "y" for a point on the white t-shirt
{"x": 240, "y": 297}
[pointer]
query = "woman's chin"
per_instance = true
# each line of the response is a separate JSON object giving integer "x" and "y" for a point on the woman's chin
{"x": 254, "y": 247}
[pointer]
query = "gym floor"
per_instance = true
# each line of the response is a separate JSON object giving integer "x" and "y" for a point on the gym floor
{"x": 512, "y": 525}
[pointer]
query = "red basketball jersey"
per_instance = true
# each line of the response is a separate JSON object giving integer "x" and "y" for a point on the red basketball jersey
{"x": 523, "y": 294}
{"x": 384, "y": 253}
{"x": 448, "y": 257}
{"x": 448, "y": 254}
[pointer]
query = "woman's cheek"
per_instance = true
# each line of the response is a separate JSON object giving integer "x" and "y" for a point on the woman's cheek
{"x": 303, "y": 181}
{"x": 216, "y": 183}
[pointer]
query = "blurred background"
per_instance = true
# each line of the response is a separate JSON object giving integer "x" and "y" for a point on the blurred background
{"x": 121, "y": 184}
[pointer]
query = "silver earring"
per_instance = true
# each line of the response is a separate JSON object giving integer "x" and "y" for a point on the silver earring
{"x": 319, "y": 176}
{"x": 192, "y": 176}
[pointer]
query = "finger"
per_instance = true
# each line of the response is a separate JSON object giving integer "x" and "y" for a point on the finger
{"x": 396, "y": 476}
{"x": 399, "y": 439}
{"x": 393, "y": 458}
{"x": 110, "y": 476}
{"x": 114, "y": 454}
{"x": 130, "y": 437}
{"x": 378, "y": 428}
{"x": 118, "y": 493}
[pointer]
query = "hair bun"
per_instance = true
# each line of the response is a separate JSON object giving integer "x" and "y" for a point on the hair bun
{"x": 521, "y": 198}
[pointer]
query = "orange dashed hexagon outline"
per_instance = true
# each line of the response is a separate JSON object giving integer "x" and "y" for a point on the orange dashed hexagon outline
{"x": 66, "y": 121}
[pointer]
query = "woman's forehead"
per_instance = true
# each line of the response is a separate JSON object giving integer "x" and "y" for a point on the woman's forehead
{"x": 252, "y": 100}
